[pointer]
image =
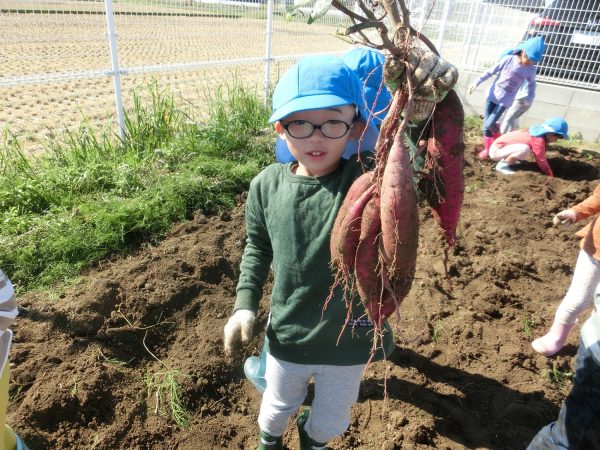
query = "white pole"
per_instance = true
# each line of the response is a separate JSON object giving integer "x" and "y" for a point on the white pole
{"x": 469, "y": 32}
{"x": 112, "y": 42}
{"x": 268, "y": 51}
{"x": 442, "y": 31}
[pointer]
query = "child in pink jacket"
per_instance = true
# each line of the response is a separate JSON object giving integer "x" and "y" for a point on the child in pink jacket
{"x": 513, "y": 147}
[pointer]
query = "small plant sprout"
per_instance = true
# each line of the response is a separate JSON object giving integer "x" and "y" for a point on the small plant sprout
{"x": 527, "y": 325}
{"x": 164, "y": 386}
{"x": 437, "y": 329}
{"x": 114, "y": 362}
{"x": 558, "y": 376}
{"x": 73, "y": 391}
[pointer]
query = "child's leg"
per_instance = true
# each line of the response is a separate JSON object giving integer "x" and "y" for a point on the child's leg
{"x": 286, "y": 390}
{"x": 578, "y": 424}
{"x": 336, "y": 390}
{"x": 492, "y": 113}
{"x": 510, "y": 153}
{"x": 585, "y": 279}
{"x": 511, "y": 120}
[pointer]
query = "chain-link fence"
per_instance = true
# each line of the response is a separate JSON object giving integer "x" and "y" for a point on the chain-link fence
{"x": 57, "y": 66}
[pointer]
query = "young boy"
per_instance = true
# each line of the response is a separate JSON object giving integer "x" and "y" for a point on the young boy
{"x": 290, "y": 210}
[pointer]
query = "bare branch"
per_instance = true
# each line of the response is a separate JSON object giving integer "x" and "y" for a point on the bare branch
{"x": 366, "y": 10}
{"x": 405, "y": 13}
{"x": 391, "y": 8}
{"x": 338, "y": 5}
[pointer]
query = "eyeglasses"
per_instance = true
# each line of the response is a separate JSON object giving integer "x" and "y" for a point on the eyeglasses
{"x": 302, "y": 129}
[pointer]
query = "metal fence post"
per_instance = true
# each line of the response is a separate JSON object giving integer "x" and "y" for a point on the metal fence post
{"x": 443, "y": 24}
{"x": 268, "y": 52}
{"x": 114, "y": 58}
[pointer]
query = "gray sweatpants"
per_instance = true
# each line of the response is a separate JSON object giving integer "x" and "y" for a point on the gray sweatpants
{"x": 336, "y": 390}
{"x": 511, "y": 118}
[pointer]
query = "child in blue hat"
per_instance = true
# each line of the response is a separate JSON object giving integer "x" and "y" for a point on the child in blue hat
{"x": 367, "y": 63}
{"x": 318, "y": 108}
{"x": 513, "y": 147}
{"x": 511, "y": 71}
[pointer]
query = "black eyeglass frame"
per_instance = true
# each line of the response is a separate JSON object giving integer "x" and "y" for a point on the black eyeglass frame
{"x": 318, "y": 127}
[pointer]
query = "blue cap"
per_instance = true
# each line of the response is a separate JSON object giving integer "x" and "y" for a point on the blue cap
{"x": 317, "y": 82}
{"x": 556, "y": 125}
{"x": 368, "y": 65}
{"x": 534, "y": 47}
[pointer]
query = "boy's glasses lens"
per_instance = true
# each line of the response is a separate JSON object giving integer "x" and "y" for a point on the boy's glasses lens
{"x": 301, "y": 129}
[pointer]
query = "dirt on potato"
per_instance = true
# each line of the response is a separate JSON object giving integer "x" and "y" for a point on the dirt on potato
{"x": 88, "y": 367}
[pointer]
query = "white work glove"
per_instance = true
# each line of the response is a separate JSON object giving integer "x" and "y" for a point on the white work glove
{"x": 238, "y": 329}
{"x": 568, "y": 215}
{"x": 472, "y": 88}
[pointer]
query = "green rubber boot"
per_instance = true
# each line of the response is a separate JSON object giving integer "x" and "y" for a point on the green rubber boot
{"x": 306, "y": 442}
{"x": 268, "y": 442}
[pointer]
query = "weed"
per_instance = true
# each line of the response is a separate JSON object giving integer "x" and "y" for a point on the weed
{"x": 472, "y": 187}
{"x": 73, "y": 391}
{"x": 527, "y": 326}
{"x": 95, "y": 441}
{"x": 164, "y": 386}
{"x": 473, "y": 125}
{"x": 436, "y": 330}
{"x": 114, "y": 362}
{"x": 557, "y": 376}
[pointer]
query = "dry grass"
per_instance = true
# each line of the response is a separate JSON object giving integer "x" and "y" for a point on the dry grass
{"x": 67, "y": 44}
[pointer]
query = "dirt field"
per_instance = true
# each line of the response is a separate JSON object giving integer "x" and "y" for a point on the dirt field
{"x": 463, "y": 374}
{"x": 56, "y": 58}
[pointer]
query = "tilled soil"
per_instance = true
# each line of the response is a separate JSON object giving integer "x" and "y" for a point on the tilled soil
{"x": 85, "y": 366}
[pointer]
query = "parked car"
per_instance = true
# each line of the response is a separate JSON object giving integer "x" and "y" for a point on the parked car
{"x": 571, "y": 30}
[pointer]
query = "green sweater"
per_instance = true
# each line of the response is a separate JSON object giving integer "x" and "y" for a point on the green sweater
{"x": 288, "y": 222}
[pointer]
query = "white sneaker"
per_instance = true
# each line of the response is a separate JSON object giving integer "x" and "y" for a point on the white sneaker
{"x": 504, "y": 168}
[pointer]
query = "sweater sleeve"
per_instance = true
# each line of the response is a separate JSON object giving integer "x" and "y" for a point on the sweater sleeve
{"x": 538, "y": 148}
{"x": 589, "y": 206}
{"x": 492, "y": 70}
{"x": 531, "y": 85}
{"x": 257, "y": 257}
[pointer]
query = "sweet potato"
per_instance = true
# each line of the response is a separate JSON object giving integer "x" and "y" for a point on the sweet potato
{"x": 367, "y": 256}
{"x": 399, "y": 214}
{"x": 346, "y": 229}
{"x": 445, "y": 153}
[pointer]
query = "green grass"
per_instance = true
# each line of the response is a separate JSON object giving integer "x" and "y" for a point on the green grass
{"x": 473, "y": 126}
{"x": 557, "y": 376}
{"x": 528, "y": 323}
{"x": 91, "y": 195}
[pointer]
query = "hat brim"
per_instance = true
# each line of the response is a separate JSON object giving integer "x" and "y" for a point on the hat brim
{"x": 540, "y": 130}
{"x": 308, "y": 103}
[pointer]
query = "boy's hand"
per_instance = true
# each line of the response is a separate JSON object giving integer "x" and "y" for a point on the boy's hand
{"x": 568, "y": 215}
{"x": 238, "y": 329}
